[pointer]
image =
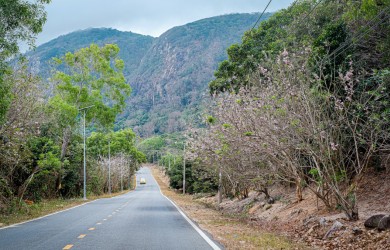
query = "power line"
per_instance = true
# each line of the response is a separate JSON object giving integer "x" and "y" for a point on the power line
{"x": 266, "y": 7}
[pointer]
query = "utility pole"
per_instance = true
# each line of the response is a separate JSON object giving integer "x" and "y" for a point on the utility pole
{"x": 184, "y": 169}
{"x": 84, "y": 149}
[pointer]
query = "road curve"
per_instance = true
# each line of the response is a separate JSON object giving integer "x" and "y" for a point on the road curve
{"x": 142, "y": 219}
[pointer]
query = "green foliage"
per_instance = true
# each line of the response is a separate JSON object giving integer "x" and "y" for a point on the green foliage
{"x": 92, "y": 76}
{"x": 119, "y": 142}
{"x": 332, "y": 37}
{"x": 197, "y": 180}
{"x": 155, "y": 143}
{"x": 329, "y": 26}
{"x": 225, "y": 125}
{"x": 210, "y": 119}
{"x": 268, "y": 40}
{"x": 5, "y": 94}
{"x": 20, "y": 21}
{"x": 46, "y": 164}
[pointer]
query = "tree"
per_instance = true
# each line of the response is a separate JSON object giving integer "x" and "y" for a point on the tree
{"x": 20, "y": 21}
{"x": 91, "y": 76}
{"x": 24, "y": 150}
{"x": 116, "y": 149}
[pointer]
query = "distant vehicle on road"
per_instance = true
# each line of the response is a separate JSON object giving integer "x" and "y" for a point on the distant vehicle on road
{"x": 142, "y": 181}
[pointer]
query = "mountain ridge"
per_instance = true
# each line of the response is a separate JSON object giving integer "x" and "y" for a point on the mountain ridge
{"x": 169, "y": 74}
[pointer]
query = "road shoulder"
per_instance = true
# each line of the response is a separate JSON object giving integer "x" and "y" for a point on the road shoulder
{"x": 231, "y": 232}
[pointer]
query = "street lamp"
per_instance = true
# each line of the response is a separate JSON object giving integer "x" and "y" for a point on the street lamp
{"x": 184, "y": 169}
{"x": 85, "y": 163}
{"x": 109, "y": 165}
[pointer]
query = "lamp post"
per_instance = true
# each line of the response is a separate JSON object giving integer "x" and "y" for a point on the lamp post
{"x": 121, "y": 172}
{"x": 184, "y": 169}
{"x": 85, "y": 162}
{"x": 109, "y": 165}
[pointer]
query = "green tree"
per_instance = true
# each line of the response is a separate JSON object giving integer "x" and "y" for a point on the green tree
{"x": 121, "y": 142}
{"x": 20, "y": 21}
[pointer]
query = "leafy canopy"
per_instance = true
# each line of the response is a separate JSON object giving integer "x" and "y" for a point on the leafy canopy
{"x": 91, "y": 76}
{"x": 19, "y": 21}
{"x": 120, "y": 142}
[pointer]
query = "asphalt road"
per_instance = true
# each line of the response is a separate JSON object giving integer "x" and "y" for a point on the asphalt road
{"x": 142, "y": 219}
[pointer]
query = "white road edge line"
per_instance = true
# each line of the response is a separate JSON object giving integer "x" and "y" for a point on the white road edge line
{"x": 47, "y": 215}
{"x": 197, "y": 229}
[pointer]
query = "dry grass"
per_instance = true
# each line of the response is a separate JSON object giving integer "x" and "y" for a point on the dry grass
{"x": 231, "y": 232}
{"x": 35, "y": 210}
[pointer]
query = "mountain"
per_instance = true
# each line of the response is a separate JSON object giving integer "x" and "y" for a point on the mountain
{"x": 169, "y": 74}
{"x": 133, "y": 47}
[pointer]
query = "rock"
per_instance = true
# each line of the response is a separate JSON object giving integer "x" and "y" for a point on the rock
{"x": 357, "y": 231}
{"x": 2, "y": 225}
{"x": 384, "y": 223}
{"x": 336, "y": 226}
{"x": 270, "y": 200}
{"x": 262, "y": 204}
{"x": 268, "y": 206}
{"x": 373, "y": 221}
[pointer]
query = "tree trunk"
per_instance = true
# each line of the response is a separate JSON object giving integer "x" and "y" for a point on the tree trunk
{"x": 298, "y": 190}
{"x": 22, "y": 189}
{"x": 220, "y": 186}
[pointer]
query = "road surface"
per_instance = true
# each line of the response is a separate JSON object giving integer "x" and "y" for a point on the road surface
{"x": 142, "y": 219}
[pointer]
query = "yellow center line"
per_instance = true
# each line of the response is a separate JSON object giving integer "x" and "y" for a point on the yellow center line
{"x": 82, "y": 236}
{"x": 91, "y": 229}
{"x": 67, "y": 247}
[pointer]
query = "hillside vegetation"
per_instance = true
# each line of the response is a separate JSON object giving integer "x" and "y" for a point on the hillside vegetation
{"x": 302, "y": 101}
{"x": 41, "y": 143}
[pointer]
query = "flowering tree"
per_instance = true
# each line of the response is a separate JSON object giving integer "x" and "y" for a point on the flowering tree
{"x": 286, "y": 126}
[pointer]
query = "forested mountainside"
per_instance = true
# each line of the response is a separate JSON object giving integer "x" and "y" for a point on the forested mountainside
{"x": 133, "y": 47}
{"x": 175, "y": 72}
{"x": 168, "y": 74}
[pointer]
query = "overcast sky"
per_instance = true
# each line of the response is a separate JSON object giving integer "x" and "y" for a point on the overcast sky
{"x": 148, "y": 17}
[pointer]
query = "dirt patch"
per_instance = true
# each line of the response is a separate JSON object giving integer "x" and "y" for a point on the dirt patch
{"x": 231, "y": 230}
